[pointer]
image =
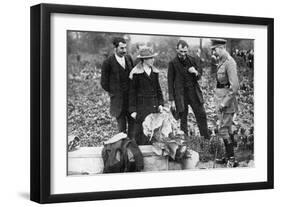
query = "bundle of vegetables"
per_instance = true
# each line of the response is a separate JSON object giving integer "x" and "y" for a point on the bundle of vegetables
{"x": 166, "y": 137}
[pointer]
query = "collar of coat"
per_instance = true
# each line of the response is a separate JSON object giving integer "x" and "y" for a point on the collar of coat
{"x": 190, "y": 58}
{"x": 138, "y": 69}
{"x": 223, "y": 59}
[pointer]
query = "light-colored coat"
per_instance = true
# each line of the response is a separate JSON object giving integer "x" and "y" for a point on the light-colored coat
{"x": 227, "y": 74}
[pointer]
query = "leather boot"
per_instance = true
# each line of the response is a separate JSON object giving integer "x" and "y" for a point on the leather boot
{"x": 224, "y": 159}
{"x": 233, "y": 140}
{"x": 231, "y": 161}
{"x": 229, "y": 153}
{"x": 229, "y": 150}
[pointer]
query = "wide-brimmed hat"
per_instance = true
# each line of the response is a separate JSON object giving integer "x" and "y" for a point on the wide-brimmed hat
{"x": 217, "y": 43}
{"x": 146, "y": 52}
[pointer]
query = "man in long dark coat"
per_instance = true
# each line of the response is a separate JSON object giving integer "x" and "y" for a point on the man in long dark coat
{"x": 115, "y": 80}
{"x": 184, "y": 90}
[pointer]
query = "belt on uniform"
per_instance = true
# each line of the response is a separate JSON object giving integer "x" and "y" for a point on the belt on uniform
{"x": 219, "y": 85}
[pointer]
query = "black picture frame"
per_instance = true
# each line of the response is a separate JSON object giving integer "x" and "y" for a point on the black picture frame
{"x": 41, "y": 102}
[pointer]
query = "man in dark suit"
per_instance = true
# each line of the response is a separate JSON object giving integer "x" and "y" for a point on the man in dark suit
{"x": 184, "y": 89}
{"x": 115, "y": 80}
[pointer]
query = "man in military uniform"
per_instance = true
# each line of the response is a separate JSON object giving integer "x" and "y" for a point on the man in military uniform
{"x": 225, "y": 96}
{"x": 115, "y": 80}
{"x": 184, "y": 90}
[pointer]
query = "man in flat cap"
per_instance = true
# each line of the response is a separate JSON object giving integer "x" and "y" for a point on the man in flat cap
{"x": 225, "y": 96}
{"x": 184, "y": 90}
{"x": 115, "y": 80}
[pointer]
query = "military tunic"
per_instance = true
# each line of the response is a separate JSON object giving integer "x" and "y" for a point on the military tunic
{"x": 225, "y": 94}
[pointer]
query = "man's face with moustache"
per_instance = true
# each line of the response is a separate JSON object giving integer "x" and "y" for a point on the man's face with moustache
{"x": 121, "y": 49}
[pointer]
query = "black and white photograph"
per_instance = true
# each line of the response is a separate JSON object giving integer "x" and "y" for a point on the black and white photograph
{"x": 141, "y": 103}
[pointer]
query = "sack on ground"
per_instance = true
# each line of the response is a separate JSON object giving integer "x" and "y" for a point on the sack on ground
{"x": 121, "y": 155}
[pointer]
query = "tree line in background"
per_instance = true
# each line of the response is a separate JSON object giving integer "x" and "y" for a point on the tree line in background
{"x": 88, "y": 104}
{"x": 98, "y": 45}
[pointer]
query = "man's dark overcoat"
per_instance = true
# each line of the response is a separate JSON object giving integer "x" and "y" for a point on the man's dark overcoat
{"x": 176, "y": 82}
{"x": 110, "y": 82}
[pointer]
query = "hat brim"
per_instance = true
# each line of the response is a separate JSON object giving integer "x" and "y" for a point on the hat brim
{"x": 148, "y": 56}
{"x": 218, "y": 45}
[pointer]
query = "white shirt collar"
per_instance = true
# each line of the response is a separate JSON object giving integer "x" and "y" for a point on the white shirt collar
{"x": 120, "y": 60}
{"x": 147, "y": 69}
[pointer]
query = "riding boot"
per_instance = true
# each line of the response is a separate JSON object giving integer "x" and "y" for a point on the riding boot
{"x": 224, "y": 159}
{"x": 229, "y": 150}
{"x": 233, "y": 140}
{"x": 232, "y": 162}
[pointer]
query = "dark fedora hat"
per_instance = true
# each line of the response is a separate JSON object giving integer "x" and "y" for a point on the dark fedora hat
{"x": 217, "y": 43}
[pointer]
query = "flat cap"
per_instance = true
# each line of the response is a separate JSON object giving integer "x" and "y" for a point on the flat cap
{"x": 217, "y": 43}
